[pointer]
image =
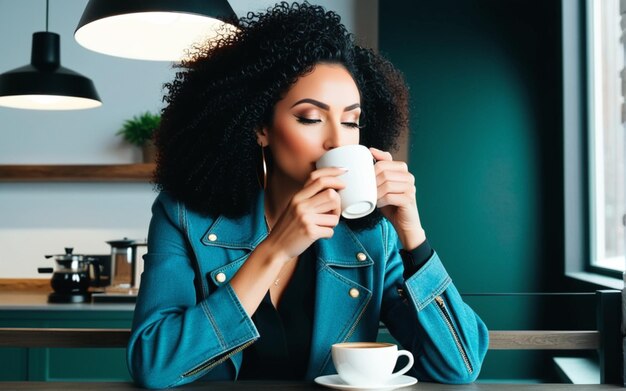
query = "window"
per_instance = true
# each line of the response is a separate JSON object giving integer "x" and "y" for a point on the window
{"x": 607, "y": 113}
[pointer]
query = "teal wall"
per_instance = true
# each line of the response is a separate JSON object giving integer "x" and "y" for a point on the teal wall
{"x": 486, "y": 149}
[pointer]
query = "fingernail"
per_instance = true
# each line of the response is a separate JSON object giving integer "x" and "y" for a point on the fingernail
{"x": 345, "y": 169}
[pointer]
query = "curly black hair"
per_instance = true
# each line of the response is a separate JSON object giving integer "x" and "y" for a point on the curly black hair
{"x": 208, "y": 153}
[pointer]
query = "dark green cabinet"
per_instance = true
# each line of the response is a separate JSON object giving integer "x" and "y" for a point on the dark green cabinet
{"x": 64, "y": 364}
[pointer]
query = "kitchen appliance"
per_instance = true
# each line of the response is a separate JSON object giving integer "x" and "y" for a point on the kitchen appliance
{"x": 72, "y": 276}
{"x": 125, "y": 265}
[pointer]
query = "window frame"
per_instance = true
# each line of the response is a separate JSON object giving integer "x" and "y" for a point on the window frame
{"x": 597, "y": 207}
{"x": 577, "y": 138}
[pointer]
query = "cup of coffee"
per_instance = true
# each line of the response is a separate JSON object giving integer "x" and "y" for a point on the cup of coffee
{"x": 368, "y": 363}
{"x": 358, "y": 198}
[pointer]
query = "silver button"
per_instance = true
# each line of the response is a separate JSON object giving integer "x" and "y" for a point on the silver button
{"x": 220, "y": 277}
{"x": 361, "y": 257}
{"x": 212, "y": 237}
{"x": 354, "y": 293}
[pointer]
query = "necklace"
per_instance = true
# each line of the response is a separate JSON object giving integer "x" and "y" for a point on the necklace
{"x": 269, "y": 229}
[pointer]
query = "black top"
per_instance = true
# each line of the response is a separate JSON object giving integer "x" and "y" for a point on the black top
{"x": 282, "y": 351}
{"x": 413, "y": 260}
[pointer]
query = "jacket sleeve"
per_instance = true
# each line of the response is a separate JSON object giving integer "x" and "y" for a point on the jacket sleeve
{"x": 175, "y": 339}
{"x": 427, "y": 316}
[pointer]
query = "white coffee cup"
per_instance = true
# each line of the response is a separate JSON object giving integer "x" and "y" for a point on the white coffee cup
{"x": 368, "y": 363}
{"x": 358, "y": 198}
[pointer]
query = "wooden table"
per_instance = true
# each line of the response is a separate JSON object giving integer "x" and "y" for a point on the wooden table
{"x": 295, "y": 386}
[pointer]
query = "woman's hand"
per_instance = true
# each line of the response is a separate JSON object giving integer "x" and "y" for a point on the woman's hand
{"x": 396, "y": 198}
{"x": 311, "y": 214}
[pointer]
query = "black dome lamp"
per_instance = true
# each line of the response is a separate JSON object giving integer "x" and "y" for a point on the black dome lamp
{"x": 159, "y": 30}
{"x": 44, "y": 84}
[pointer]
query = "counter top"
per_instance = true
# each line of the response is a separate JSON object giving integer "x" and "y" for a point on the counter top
{"x": 38, "y": 301}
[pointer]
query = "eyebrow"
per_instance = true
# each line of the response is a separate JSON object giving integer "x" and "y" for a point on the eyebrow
{"x": 324, "y": 105}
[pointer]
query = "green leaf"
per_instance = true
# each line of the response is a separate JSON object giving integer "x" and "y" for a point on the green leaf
{"x": 140, "y": 129}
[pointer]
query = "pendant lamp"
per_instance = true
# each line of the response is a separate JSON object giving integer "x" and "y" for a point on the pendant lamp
{"x": 159, "y": 30}
{"x": 44, "y": 84}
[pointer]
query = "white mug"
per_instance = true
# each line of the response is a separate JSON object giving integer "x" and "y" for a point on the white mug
{"x": 358, "y": 198}
{"x": 368, "y": 363}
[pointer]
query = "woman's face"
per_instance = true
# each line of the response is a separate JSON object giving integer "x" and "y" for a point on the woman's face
{"x": 319, "y": 112}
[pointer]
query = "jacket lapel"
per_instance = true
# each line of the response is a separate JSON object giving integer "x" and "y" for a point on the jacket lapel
{"x": 343, "y": 290}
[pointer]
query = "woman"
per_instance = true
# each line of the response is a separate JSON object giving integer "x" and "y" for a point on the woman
{"x": 250, "y": 271}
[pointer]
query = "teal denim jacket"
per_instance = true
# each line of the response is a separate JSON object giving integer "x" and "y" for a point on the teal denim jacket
{"x": 189, "y": 324}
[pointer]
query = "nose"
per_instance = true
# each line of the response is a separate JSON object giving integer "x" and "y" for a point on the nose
{"x": 334, "y": 137}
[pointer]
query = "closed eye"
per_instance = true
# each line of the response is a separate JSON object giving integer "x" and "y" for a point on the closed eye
{"x": 308, "y": 121}
{"x": 352, "y": 125}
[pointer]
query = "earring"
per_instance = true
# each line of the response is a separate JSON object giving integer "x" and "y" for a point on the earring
{"x": 264, "y": 184}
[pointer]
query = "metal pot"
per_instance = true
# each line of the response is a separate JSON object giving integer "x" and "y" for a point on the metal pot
{"x": 72, "y": 275}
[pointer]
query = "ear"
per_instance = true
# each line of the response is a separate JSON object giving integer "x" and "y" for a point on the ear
{"x": 261, "y": 137}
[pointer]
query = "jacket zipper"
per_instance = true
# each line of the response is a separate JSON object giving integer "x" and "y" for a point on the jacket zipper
{"x": 350, "y": 332}
{"x": 446, "y": 316}
{"x": 212, "y": 363}
{"x": 356, "y": 322}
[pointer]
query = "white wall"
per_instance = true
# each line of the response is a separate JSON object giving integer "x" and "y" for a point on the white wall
{"x": 42, "y": 218}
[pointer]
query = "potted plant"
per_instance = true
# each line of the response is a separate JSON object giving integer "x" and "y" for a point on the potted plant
{"x": 139, "y": 131}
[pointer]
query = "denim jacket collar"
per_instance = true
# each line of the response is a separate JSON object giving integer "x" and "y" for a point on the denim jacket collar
{"x": 249, "y": 230}
{"x": 343, "y": 249}
{"x": 245, "y": 231}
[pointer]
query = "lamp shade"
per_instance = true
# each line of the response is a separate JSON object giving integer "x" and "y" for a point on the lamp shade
{"x": 44, "y": 84}
{"x": 151, "y": 29}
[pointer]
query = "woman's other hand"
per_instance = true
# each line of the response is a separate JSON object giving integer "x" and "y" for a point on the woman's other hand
{"x": 396, "y": 198}
{"x": 311, "y": 214}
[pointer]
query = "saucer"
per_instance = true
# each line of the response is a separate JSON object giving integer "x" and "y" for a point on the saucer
{"x": 334, "y": 381}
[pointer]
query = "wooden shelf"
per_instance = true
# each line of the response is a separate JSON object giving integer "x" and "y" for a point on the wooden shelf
{"x": 77, "y": 173}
